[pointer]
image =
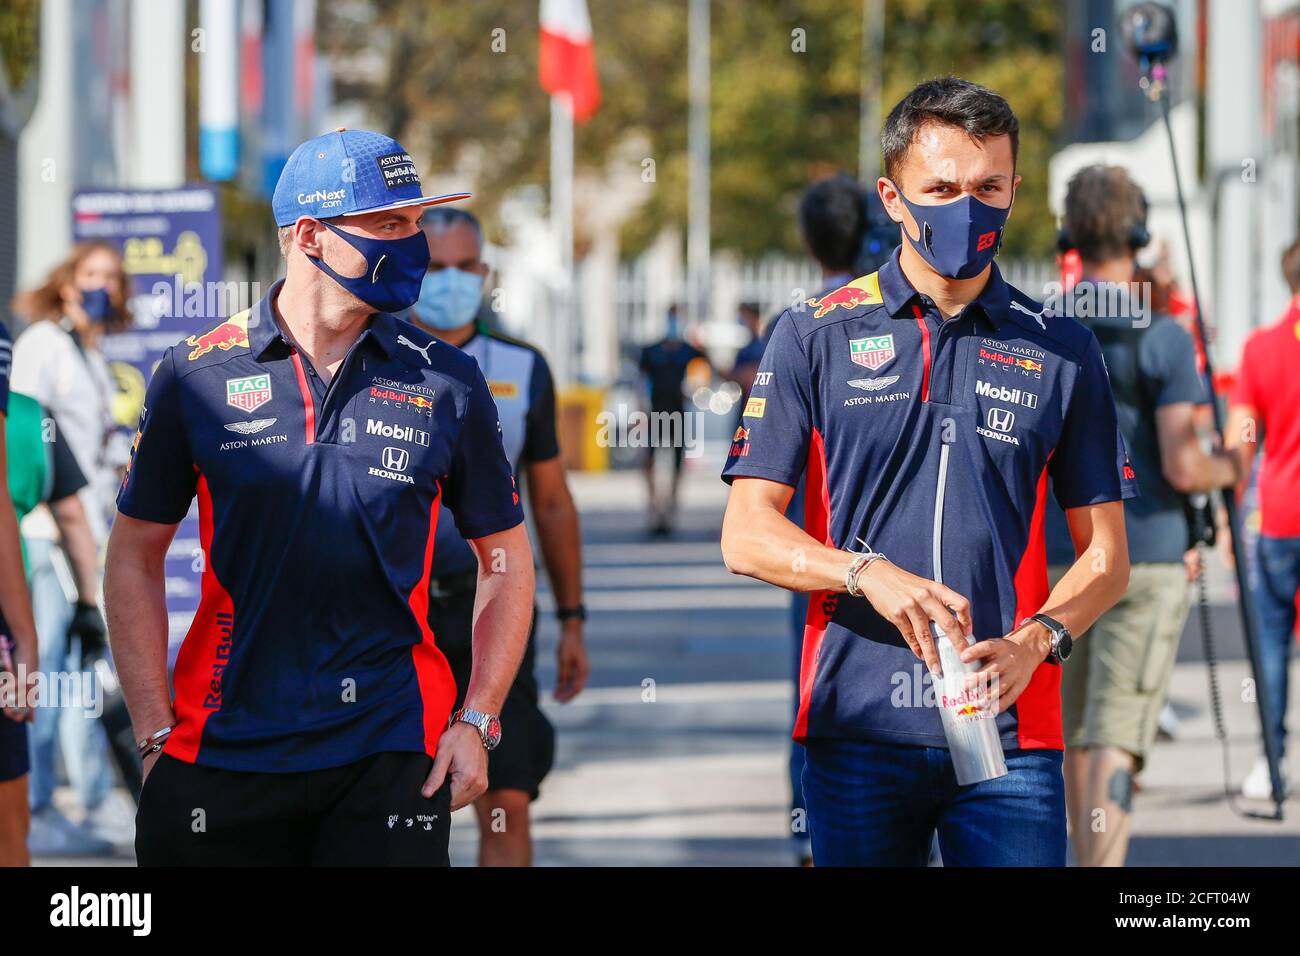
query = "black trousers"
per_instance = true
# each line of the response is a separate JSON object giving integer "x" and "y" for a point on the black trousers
{"x": 368, "y": 813}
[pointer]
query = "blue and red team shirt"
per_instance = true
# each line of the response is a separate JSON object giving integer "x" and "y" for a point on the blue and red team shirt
{"x": 862, "y": 388}
{"x": 318, "y": 511}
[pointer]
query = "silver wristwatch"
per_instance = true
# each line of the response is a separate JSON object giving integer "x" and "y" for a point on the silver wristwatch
{"x": 487, "y": 725}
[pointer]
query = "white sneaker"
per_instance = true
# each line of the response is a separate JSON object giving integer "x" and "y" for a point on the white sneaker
{"x": 1258, "y": 786}
{"x": 53, "y": 834}
{"x": 1167, "y": 723}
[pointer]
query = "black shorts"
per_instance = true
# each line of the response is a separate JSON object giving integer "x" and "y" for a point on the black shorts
{"x": 527, "y": 749}
{"x": 367, "y": 813}
{"x": 14, "y": 760}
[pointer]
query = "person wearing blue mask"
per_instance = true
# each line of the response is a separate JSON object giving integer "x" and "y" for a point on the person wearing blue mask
{"x": 926, "y": 405}
{"x": 313, "y": 711}
{"x": 451, "y": 298}
{"x": 58, "y": 362}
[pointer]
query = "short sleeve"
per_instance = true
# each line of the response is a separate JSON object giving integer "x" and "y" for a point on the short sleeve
{"x": 6, "y": 365}
{"x": 540, "y": 441}
{"x": 480, "y": 486}
{"x": 776, "y": 422}
{"x": 1090, "y": 465}
{"x": 66, "y": 478}
{"x": 1246, "y": 390}
{"x": 160, "y": 476}
{"x": 1170, "y": 362}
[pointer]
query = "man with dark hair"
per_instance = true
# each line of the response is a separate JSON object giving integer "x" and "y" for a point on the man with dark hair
{"x": 1115, "y": 685}
{"x": 928, "y": 403}
{"x": 832, "y": 220}
{"x": 1263, "y": 408}
{"x": 664, "y": 365}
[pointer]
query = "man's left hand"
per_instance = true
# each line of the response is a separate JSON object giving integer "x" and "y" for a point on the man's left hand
{"x": 460, "y": 753}
{"x": 571, "y": 664}
{"x": 1009, "y": 662}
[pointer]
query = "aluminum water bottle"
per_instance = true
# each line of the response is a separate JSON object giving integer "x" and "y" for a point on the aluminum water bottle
{"x": 969, "y": 716}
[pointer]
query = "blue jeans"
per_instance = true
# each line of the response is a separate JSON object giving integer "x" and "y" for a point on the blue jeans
{"x": 873, "y": 804}
{"x": 63, "y": 728}
{"x": 1277, "y": 579}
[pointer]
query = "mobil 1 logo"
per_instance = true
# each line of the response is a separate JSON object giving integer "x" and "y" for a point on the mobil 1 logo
{"x": 1000, "y": 393}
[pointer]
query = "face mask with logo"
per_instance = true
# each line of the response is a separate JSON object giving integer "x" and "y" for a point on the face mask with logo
{"x": 96, "y": 304}
{"x": 394, "y": 269}
{"x": 449, "y": 298}
{"x": 958, "y": 238}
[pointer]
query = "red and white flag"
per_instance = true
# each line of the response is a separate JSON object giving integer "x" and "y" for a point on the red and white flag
{"x": 567, "y": 60}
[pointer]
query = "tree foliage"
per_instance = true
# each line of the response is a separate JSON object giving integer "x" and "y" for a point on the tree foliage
{"x": 784, "y": 96}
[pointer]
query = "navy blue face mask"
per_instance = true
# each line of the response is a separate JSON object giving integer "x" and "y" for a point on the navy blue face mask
{"x": 394, "y": 269}
{"x": 96, "y": 304}
{"x": 958, "y": 238}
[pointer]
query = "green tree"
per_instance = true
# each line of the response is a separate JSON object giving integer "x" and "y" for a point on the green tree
{"x": 784, "y": 96}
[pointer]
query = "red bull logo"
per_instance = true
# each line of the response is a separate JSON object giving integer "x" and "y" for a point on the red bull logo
{"x": 226, "y": 336}
{"x": 419, "y": 401}
{"x": 862, "y": 291}
{"x": 1029, "y": 365}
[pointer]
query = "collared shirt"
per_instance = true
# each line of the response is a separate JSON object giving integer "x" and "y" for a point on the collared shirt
{"x": 521, "y": 384}
{"x": 912, "y": 430}
{"x": 318, "y": 507}
{"x": 1268, "y": 383}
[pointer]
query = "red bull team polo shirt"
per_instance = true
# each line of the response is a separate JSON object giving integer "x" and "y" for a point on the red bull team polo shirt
{"x": 318, "y": 509}
{"x": 910, "y": 428}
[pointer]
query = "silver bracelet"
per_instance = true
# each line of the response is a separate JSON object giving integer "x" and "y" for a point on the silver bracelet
{"x": 856, "y": 567}
{"x": 153, "y": 743}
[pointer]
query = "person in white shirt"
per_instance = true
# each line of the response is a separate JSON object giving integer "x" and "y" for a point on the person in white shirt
{"x": 57, "y": 361}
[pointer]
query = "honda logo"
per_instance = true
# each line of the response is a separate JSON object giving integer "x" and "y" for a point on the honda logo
{"x": 1001, "y": 420}
{"x": 395, "y": 459}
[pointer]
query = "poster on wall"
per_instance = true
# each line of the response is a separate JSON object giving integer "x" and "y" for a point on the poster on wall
{"x": 171, "y": 251}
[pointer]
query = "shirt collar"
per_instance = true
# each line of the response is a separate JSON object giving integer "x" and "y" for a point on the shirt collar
{"x": 898, "y": 293}
{"x": 264, "y": 332}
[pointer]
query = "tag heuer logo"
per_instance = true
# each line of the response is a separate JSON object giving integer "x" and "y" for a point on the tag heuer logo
{"x": 248, "y": 394}
{"x": 874, "y": 352}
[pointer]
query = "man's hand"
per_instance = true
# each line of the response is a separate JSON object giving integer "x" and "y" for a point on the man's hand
{"x": 910, "y": 603}
{"x": 1009, "y": 662}
{"x": 571, "y": 665}
{"x": 25, "y": 660}
{"x": 460, "y": 751}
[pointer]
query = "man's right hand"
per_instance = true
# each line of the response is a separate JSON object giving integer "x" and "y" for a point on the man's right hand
{"x": 911, "y": 602}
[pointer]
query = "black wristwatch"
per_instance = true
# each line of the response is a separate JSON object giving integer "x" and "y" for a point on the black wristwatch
{"x": 1062, "y": 639}
{"x": 571, "y": 613}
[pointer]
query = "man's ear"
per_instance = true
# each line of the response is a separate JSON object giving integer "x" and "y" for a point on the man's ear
{"x": 307, "y": 236}
{"x": 890, "y": 196}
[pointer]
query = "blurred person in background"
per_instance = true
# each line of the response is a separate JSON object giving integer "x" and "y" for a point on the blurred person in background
{"x": 521, "y": 383}
{"x": 19, "y": 653}
{"x": 1265, "y": 407}
{"x": 832, "y": 223}
{"x": 58, "y": 362}
{"x": 43, "y": 470}
{"x": 1115, "y": 685}
{"x": 664, "y": 365}
{"x": 751, "y": 353}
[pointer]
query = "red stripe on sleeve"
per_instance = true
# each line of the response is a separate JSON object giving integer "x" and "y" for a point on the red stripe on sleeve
{"x": 432, "y": 672}
{"x": 821, "y": 604}
{"x": 201, "y": 663}
{"x": 1038, "y": 709}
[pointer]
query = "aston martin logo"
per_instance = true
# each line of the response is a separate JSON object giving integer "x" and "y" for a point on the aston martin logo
{"x": 873, "y": 384}
{"x": 250, "y": 428}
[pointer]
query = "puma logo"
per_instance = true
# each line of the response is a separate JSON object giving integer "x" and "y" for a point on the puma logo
{"x": 1036, "y": 316}
{"x": 403, "y": 340}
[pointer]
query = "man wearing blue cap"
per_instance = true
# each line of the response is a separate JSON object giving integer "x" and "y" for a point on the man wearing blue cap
{"x": 311, "y": 719}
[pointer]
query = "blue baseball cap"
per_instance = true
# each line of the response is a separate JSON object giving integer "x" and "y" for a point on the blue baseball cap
{"x": 347, "y": 172}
